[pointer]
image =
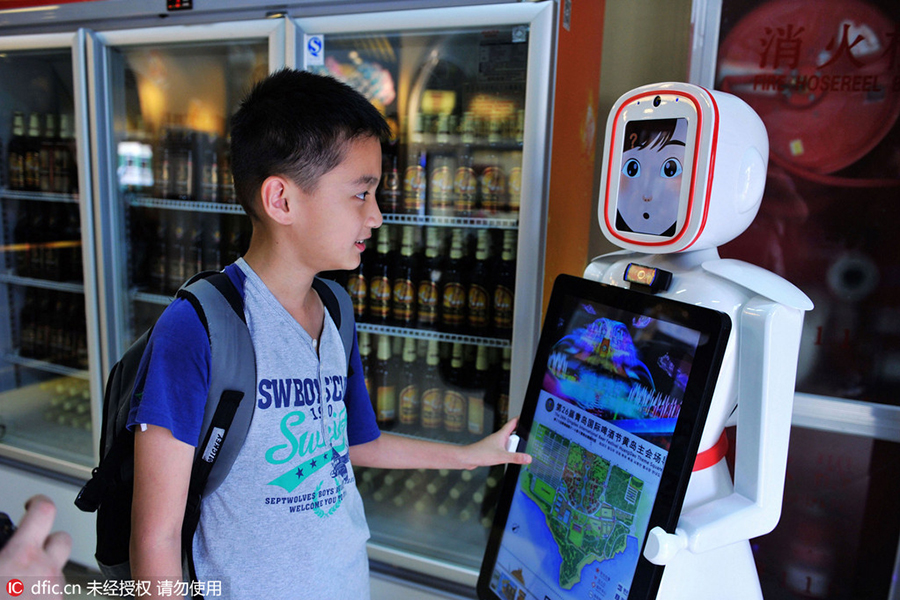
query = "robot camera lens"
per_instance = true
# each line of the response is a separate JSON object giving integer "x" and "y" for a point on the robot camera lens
{"x": 656, "y": 101}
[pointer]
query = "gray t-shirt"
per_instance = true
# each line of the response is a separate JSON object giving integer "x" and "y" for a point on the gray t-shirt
{"x": 288, "y": 521}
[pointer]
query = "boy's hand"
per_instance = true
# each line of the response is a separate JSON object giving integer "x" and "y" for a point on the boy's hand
{"x": 492, "y": 449}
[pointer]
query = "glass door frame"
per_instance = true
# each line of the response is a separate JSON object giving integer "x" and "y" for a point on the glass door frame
{"x": 75, "y": 42}
{"x": 112, "y": 279}
{"x": 532, "y": 222}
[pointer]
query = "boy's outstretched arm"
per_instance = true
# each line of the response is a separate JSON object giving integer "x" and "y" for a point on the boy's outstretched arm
{"x": 398, "y": 452}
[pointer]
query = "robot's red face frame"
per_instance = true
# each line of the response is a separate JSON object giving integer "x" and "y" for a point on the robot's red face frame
{"x": 659, "y": 142}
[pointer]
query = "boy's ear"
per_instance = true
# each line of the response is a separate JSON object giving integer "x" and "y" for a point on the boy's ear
{"x": 276, "y": 199}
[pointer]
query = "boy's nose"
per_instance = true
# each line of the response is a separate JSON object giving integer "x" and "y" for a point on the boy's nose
{"x": 375, "y": 219}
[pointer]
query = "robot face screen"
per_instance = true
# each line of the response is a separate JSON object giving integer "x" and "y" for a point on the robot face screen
{"x": 651, "y": 177}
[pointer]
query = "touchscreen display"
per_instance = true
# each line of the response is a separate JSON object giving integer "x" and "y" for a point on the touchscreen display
{"x": 612, "y": 384}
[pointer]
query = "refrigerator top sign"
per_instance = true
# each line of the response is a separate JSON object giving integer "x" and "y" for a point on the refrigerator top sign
{"x": 314, "y": 49}
{"x": 172, "y": 5}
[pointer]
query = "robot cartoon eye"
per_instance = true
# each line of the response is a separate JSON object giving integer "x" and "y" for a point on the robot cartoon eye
{"x": 632, "y": 168}
{"x": 671, "y": 168}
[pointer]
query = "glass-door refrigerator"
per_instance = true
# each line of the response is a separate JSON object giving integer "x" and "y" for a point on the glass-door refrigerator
{"x": 448, "y": 296}
{"x": 48, "y": 341}
{"x": 165, "y": 203}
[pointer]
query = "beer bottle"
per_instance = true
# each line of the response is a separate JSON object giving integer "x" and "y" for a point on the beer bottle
{"x": 226, "y": 179}
{"x": 182, "y": 159}
{"x": 492, "y": 179}
{"x": 415, "y": 176}
{"x": 504, "y": 286}
{"x": 16, "y": 152}
{"x": 365, "y": 356}
{"x": 158, "y": 280}
{"x": 38, "y": 237}
{"x": 454, "y": 400}
{"x": 453, "y": 285}
{"x": 177, "y": 261}
{"x": 404, "y": 280}
{"x": 212, "y": 242}
{"x": 33, "y": 154}
{"x": 28, "y": 317}
{"x": 428, "y": 289}
{"x": 432, "y": 390}
{"x": 476, "y": 392}
{"x": 409, "y": 399}
{"x": 65, "y": 177}
{"x": 385, "y": 380}
{"x": 501, "y": 395}
{"x": 51, "y": 259}
{"x": 465, "y": 186}
{"x": 45, "y": 154}
{"x": 478, "y": 298}
{"x": 195, "y": 242}
{"x": 358, "y": 289}
{"x": 442, "y": 171}
{"x": 391, "y": 189}
{"x": 380, "y": 279}
{"x": 22, "y": 237}
{"x": 162, "y": 164}
{"x": 210, "y": 189}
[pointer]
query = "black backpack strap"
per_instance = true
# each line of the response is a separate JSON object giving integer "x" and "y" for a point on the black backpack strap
{"x": 340, "y": 307}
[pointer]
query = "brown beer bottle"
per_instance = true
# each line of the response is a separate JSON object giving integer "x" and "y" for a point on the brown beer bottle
{"x": 428, "y": 290}
{"x": 478, "y": 298}
{"x": 365, "y": 356}
{"x": 504, "y": 287}
{"x": 409, "y": 398}
{"x": 385, "y": 380}
{"x": 432, "y": 404}
{"x": 476, "y": 392}
{"x": 454, "y": 400}
{"x": 16, "y": 150}
{"x": 380, "y": 279}
{"x": 404, "y": 280}
{"x": 453, "y": 285}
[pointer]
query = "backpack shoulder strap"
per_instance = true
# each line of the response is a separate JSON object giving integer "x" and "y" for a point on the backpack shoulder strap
{"x": 232, "y": 375}
{"x": 340, "y": 307}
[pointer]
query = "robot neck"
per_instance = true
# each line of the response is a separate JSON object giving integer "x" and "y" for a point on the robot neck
{"x": 684, "y": 261}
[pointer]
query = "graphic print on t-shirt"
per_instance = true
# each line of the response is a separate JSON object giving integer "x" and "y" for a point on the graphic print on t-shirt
{"x": 311, "y": 441}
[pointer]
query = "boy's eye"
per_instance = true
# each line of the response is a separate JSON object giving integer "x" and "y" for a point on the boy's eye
{"x": 632, "y": 168}
{"x": 671, "y": 168}
{"x": 362, "y": 195}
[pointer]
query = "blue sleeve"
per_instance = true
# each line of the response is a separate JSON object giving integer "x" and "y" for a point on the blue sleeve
{"x": 361, "y": 424}
{"x": 173, "y": 376}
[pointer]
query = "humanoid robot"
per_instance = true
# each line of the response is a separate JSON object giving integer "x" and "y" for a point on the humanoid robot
{"x": 683, "y": 172}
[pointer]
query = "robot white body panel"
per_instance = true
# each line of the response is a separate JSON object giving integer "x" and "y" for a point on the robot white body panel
{"x": 676, "y": 151}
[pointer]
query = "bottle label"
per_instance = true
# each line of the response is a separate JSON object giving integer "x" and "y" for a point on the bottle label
{"x": 16, "y": 171}
{"x": 404, "y": 300}
{"x": 380, "y": 297}
{"x": 503, "y": 307}
{"x": 479, "y": 305}
{"x": 476, "y": 415}
{"x": 441, "y": 187}
{"x": 432, "y": 408}
{"x": 386, "y": 403}
{"x": 454, "y": 303}
{"x": 358, "y": 290}
{"x": 493, "y": 188}
{"x": 515, "y": 188}
{"x": 428, "y": 302}
{"x": 409, "y": 405}
{"x": 454, "y": 411}
{"x": 465, "y": 188}
{"x": 414, "y": 184}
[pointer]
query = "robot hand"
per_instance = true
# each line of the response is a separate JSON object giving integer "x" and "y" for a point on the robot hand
{"x": 661, "y": 547}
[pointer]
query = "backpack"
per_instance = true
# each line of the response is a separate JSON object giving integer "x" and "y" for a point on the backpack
{"x": 226, "y": 419}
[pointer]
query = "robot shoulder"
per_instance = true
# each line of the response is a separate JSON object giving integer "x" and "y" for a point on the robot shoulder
{"x": 760, "y": 281}
{"x": 599, "y": 268}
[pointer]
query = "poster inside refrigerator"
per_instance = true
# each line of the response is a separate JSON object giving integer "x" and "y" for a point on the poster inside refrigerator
{"x": 438, "y": 293}
{"x": 45, "y": 387}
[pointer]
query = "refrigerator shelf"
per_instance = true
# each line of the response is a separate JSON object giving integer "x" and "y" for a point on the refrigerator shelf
{"x": 60, "y": 286}
{"x": 429, "y": 334}
{"x": 186, "y": 205}
{"x": 495, "y": 222}
{"x": 48, "y": 367}
{"x": 39, "y": 196}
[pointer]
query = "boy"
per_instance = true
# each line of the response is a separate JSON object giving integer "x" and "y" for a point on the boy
{"x": 306, "y": 159}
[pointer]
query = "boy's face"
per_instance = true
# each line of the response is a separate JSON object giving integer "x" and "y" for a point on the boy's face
{"x": 650, "y": 185}
{"x": 338, "y": 216}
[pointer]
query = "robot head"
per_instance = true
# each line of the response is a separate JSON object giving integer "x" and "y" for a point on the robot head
{"x": 683, "y": 169}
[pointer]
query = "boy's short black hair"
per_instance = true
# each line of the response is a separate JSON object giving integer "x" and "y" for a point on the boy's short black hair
{"x": 296, "y": 124}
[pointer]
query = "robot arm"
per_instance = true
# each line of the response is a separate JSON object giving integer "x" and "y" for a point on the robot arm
{"x": 769, "y": 340}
